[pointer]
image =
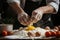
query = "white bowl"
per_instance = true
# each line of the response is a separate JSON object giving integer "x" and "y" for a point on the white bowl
{"x": 7, "y": 27}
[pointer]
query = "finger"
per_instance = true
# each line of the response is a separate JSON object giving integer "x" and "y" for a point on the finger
{"x": 25, "y": 19}
{"x": 35, "y": 21}
{"x": 38, "y": 17}
{"x": 21, "y": 20}
{"x": 34, "y": 14}
{"x": 34, "y": 17}
{"x": 30, "y": 21}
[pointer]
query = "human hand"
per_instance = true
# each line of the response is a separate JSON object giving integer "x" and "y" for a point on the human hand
{"x": 23, "y": 18}
{"x": 36, "y": 15}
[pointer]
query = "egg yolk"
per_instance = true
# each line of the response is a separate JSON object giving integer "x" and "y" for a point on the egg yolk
{"x": 30, "y": 27}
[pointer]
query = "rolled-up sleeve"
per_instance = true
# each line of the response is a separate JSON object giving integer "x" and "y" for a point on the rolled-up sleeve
{"x": 11, "y": 1}
{"x": 54, "y": 4}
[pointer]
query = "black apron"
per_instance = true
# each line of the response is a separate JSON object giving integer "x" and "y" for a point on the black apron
{"x": 30, "y": 6}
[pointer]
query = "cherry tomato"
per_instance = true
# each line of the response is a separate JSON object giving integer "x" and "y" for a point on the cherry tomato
{"x": 4, "y": 33}
{"x": 53, "y": 33}
{"x": 48, "y": 34}
{"x": 58, "y": 34}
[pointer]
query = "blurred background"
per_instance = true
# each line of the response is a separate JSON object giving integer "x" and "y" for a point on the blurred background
{"x": 56, "y": 17}
{"x": 4, "y": 19}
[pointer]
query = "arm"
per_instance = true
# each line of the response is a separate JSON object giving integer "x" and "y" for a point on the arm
{"x": 51, "y": 7}
{"x": 22, "y": 16}
{"x": 15, "y": 4}
{"x": 46, "y": 9}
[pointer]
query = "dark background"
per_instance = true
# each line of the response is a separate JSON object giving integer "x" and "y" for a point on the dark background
{"x": 56, "y": 17}
{"x": 4, "y": 7}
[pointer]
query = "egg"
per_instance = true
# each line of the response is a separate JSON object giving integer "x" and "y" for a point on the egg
{"x": 37, "y": 34}
{"x": 47, "y": 28}
{"x": 30, "y": 28}
{"x": 30, "y": 34}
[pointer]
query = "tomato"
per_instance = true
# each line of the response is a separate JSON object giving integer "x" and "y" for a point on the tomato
{"x": 4, "y": 33}
{"x": 58, "y": 34}
{"x": 53, "y": 33}
{"x": 48, "y": 34}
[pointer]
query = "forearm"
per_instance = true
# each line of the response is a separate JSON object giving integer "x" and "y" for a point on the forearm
{"x": 17, "y": 8}
{"x": 46, "y": 9}
{"x": 52, "y": 6}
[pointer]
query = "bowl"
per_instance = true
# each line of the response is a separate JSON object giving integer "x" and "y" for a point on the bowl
{"x": 7, "y": 27}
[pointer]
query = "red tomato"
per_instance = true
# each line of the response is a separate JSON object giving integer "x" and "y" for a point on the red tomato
{"x": 4, "y": 33}
{"x": 58, "y": 34}
{"x": 48, "y": 34}
{"x": 53, "y": 33}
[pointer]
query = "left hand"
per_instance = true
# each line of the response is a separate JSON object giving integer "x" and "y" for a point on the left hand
{"x": 36, "y": 15}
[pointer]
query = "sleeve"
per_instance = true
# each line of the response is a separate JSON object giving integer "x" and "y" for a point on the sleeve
{"x": 54, "y": 4}
{"x": 11, "y": 1}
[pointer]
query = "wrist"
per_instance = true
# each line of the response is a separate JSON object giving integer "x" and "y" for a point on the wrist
{"x": 21, "y": 13}
{"x": 39, "y": 11}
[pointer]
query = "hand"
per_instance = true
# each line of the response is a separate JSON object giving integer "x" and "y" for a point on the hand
{"x": 36, "y": 15}
{"x": 23, "y": 18}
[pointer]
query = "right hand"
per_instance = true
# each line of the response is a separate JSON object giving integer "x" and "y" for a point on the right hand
{"x": 23, "y": 18}
{"x": 36, "y": 16}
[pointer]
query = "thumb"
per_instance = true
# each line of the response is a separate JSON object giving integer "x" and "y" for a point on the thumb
{"x": 34, "y": 13}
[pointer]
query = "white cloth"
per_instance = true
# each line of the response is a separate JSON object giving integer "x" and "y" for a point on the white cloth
{"x": 53, "y": 3}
